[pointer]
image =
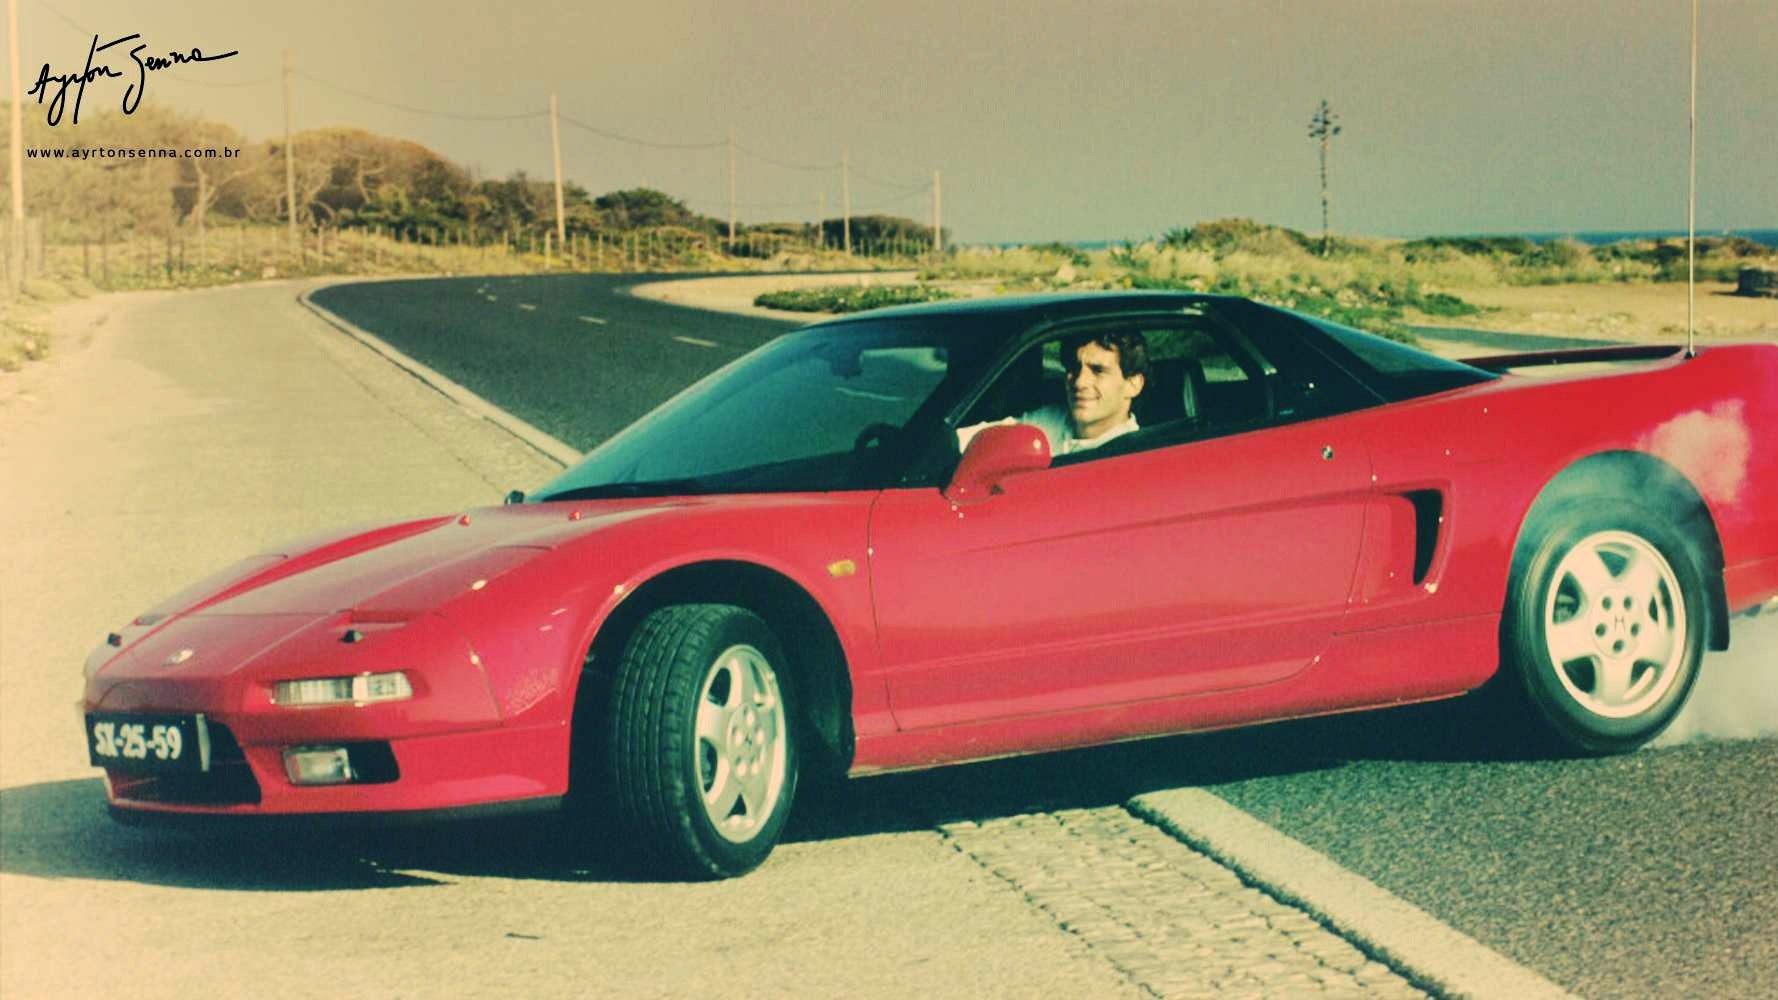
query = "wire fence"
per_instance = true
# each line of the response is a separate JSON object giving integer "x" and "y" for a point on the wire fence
{"x": 221, "y": 254}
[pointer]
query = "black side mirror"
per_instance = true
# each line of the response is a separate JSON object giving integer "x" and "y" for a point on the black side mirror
{"x": 516, "y": 496}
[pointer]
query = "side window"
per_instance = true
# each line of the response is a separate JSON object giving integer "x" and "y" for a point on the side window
{"x": 1200, "y": 378}
{"x": 1039, "y": 387}
{"x": 1203, "y": 377}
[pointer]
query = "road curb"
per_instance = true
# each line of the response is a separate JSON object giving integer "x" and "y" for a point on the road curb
{"x": 1432, "y": 954}
{"x": 551, "y": 447}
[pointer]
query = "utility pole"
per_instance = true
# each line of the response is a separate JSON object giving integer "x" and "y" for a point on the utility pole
{"x": 555, "y": 144}
{"x": 821, "y": 221}
{"x": 1691, "y": 200}
{"x": 846, "y": 200}
{"x": 18, "y": 151}
{"x": 1322, "y": 128}
{"x": 289, "y": 152}
{"x": 731, "y": 187}
{"x": 938, "y": 218}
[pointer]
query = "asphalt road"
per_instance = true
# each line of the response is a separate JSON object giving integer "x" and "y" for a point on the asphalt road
{"x": 1655, "y": 873}
{"x": 570, "y": 354}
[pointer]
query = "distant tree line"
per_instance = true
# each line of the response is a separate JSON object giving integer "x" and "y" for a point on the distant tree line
{"x": 347, "y": 178}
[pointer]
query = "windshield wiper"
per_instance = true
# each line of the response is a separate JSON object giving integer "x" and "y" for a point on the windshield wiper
{"x": 651, "y": 488}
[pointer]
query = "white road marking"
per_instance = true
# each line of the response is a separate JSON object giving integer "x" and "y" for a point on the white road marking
{"x": 528, "y": 307}
{"x": 591, "y": 319}
{"x": 493, "y": 298}
{"x": 696, "y": 341}
{"x": 1407, "y": 937}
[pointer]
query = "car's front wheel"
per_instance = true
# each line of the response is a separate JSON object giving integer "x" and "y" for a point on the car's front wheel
{"x": 1605, "y": 624}
{"x": 702, "y": 760}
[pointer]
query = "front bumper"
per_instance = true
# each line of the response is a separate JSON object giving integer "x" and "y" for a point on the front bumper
{"x": 448, "y": 771}
{"x": 444, "y": 746}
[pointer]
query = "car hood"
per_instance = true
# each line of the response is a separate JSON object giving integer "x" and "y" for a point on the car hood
{"x": 392, "y": 571}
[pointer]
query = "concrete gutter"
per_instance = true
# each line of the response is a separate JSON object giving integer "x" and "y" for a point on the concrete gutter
{"x": 1431, "y": 954}
{"x": 551, "y": 447}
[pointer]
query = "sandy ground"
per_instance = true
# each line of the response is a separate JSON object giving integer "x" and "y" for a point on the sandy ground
{"x": 1621, "y": 312}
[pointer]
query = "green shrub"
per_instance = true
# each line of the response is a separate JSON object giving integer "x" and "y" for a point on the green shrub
{"x": 1074, "y": 255}
{"x": 21, "y": 341}
{"x": 850, "y": 298}
{"x": 1441, "y": 304}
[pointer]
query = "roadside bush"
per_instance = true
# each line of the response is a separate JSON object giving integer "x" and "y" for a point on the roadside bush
{"x": 21, "y": 341}
{"x": 850, "y": 298}
{"x": 1072, "y": 254}
{"x": 1441, "y": 304}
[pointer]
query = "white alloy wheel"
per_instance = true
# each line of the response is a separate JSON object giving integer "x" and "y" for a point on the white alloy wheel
{"x": 1615, "y": 624}
{"x": 740, "y": 747}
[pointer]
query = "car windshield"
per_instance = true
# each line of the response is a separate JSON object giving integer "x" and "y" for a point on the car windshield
{"x": 1401, "y": 372}
{"x": 814, "y": 410}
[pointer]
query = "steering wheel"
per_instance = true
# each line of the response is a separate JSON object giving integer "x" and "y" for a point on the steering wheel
{"x": 874, "y": 435}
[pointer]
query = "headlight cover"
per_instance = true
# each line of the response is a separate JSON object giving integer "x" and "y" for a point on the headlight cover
{"x": 360, "y": 689}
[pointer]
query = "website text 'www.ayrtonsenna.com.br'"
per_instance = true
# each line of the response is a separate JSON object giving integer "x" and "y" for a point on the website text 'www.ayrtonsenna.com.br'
{"x": 134, "y": 153}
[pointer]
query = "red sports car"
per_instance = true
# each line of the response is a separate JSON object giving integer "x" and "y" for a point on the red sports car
{"x": 794, "y": 564}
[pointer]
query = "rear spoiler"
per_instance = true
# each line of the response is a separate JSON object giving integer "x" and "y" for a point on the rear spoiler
{"x": 1572, "y": 356}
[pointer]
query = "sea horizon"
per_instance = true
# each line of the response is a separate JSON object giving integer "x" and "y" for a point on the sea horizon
{"x": 1591, "y": 237}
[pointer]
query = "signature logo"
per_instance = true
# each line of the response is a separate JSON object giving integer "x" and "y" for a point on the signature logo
{"x": 55, "y": 85}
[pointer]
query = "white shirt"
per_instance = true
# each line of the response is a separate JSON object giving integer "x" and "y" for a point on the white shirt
{"x": 1053, "y": 421}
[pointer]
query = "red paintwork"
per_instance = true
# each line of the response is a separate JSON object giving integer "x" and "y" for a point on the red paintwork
{"x": 1210, "y": 584}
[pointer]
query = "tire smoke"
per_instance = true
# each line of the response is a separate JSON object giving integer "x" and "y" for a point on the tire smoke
{"x": 1736, "y": 695}
{"x": 1711, "y": 449}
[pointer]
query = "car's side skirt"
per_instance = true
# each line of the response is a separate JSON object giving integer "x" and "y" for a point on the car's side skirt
{"x": 1374, "y": 669}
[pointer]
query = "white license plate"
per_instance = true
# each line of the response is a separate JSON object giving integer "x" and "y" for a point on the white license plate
{"x": 148, "y": 743}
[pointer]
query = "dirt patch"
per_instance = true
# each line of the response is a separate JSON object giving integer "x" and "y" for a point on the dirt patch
{"x": 1644, "y": 312}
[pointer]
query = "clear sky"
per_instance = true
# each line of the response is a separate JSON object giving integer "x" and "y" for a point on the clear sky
{"x": 1048, "y": 120}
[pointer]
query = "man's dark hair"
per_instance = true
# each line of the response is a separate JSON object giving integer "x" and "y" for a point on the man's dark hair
{"x": 1131, "y": 347}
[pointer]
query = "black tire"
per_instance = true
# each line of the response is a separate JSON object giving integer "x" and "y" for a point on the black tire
{"x": 665, "y": 766}
{"x": 1598, "y": 583}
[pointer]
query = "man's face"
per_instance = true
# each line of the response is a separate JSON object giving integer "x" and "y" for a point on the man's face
{"x": 1099, "y": 394}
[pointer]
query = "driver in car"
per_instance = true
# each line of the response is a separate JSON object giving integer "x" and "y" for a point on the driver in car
{"x": 1106, "y": 372}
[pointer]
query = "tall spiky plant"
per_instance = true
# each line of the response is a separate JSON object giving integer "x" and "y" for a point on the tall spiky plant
{"x": 1322, "y": 128}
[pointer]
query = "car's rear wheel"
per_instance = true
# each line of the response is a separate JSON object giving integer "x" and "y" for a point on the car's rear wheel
{"x": 1605, "y": 624}
{"x": 702, "y": 758}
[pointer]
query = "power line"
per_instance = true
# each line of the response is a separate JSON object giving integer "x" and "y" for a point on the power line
{"x": 618, "y": 137}
{"x": 460, "y": 116}
{"x": 221, "y": 83}
{"x": 87, "y": 32}
{"x": 920, "y": 186}
{"x": 893, "y": 201}
{"x": 70, "y": 22}
{"x": 788, "y": 166}
{"x": 800, "y": 203}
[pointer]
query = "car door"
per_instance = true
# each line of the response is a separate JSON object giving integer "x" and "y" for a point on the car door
{"x": 1216, "y": 562}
